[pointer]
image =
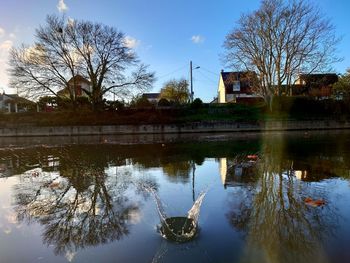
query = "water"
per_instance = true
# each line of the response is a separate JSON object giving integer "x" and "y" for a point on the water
{"x": 193, "y": 213}
{"x": 84, "y": 201}
{"x": 177, "y": 228}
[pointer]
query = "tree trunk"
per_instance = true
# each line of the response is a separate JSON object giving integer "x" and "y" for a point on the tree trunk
{"x": 269, "y": 102}
{"x": 97, "y": 100}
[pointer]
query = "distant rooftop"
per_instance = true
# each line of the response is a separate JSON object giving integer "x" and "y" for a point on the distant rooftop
{"x": 151, "y": 95}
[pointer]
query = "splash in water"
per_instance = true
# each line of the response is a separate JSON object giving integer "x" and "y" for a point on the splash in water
{"x": 193, "y": 213}
{"x": 160, "y": 208}
{"x": 179, "y": 229}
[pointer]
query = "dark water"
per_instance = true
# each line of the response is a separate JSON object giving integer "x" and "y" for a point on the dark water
{"x": 278, "y": 197}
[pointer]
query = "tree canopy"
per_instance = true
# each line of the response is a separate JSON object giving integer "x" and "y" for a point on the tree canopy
{"x": 176, "y": 91}
{"x": 341, "y": 88}
{"x": 64, "y": 49}
{"x": 279, "y": 41}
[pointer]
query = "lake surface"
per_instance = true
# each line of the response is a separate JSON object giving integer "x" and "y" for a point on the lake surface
{"x": 277, "y": 197}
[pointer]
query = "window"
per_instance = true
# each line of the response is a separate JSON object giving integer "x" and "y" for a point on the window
{"x": 236, "y": 86}
{"x": 78, "y": 90}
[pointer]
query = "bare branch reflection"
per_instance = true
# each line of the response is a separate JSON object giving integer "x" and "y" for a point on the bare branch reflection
{"x": 79, "y": 205}
{"x": 271, "y": 214}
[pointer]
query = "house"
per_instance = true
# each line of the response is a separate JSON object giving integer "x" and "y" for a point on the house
{"x": 152, "y": 97}
{"x": 315, "y": 85}
{"x": 80, "y": 85}
{"x": 236, "y": 86}
{"x": 14, "y": 103}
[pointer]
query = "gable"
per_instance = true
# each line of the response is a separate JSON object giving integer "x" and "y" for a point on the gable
{"x": 236, "y": 82}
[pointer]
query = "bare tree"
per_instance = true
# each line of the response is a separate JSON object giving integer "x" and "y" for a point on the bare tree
{"x": 279, "y": 41}
{"x": 65, "y": 49}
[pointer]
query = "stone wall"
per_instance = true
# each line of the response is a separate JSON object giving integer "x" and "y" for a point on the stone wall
{"x": 195, "y": 127}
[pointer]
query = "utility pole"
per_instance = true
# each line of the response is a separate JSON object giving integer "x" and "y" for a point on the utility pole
{"x": 191, "y": 80}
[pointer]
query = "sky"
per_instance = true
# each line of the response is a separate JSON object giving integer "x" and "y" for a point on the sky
{"x": 165, "y": 34}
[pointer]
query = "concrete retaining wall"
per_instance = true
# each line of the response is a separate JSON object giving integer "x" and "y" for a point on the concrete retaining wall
{"x": 173, "y": 128}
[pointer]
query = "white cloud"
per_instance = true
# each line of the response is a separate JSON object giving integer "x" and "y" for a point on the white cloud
{"x": 70, "y": 21}
{"x": 61, "y": 6}
{"x": 197, "y": 39}
{"x": 2, "y": 32}
{"x": 131, "y": 42}
{"x": 5, "y": 46}
{"x": 12, "y": 35}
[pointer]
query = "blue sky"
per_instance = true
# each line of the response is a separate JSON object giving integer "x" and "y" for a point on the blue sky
{"x": 165, "y": 34}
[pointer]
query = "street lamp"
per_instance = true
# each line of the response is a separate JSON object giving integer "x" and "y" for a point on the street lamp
{"x": 191, "y": 79}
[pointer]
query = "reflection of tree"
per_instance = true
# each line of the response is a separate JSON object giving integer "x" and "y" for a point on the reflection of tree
{"x": 78, "y": 208}
{"x": 178, "y": 171}
{"x": 278, "y": 225}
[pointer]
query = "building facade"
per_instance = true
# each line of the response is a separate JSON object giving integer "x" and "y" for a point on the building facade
{"x": 236, "y": 86}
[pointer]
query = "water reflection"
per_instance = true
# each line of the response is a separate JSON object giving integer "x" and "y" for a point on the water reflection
{"x": 272, "y": 214}
{"x": 81, "y": 207}
{"x": 85, "y": 196}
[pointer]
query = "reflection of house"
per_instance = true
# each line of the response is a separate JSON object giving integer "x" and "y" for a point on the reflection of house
{"x": 236, "y": 86}
{"x": 232, "y": 172}
{"x": 14, "y": 103}
{"x": 78, "y": 86}
{"x": 315, "y": 85}
{"x": 152, "y": 97}
{"x": 301, "y": 175}
{"x": 316, "y": 169}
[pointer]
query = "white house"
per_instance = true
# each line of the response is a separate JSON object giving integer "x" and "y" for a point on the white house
{"x": 80, "y": 85}
{"x": 14, "y": 103}
{"x": 236, "y": 86}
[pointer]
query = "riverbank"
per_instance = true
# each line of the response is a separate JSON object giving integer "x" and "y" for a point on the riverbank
{"x": 191, "y": 127}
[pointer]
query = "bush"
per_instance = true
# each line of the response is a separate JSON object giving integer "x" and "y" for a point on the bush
{"x": 306, "y": 106}
{"x": 164, "y": 103}
{"x": 197, "y": 103}
{"x": 115, "y": 105}
{"x": 47, "y": 103}
{"x": 141, "y": 102}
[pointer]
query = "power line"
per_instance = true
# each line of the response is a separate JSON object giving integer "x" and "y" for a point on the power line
{"x": 172, "y": 72}
{"x": 208, "y": 78}
{"x": 216, "y": 74}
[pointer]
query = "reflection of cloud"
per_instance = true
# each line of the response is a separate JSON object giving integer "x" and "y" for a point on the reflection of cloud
{"x": 70, "y": 255}
{"x": 5, "y": 47}
{"x": 131, "y": 42}
{"x": 2, "y": 32}
{"x": 7, "y": 230}
{"x": 11, "y": 218}
{"x": 134, "y": 216}
{"x": 61, "y": 6}
{"x": 197, "y": 39}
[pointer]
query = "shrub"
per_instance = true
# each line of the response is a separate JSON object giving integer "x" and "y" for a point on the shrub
{"x": 164, "y": 103}
{"x": 197, "y": 103}
{"x": 115, "y": 105}
{"x": 141, "y": 102}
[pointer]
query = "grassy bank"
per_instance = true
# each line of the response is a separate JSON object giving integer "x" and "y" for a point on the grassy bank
{"x": 283, "y": 109}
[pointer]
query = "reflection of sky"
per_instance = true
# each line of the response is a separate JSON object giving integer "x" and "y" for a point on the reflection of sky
{"x": 18, "y": 239}
{"x": 8, "y": 219}
{"x": 216, "y": 231}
